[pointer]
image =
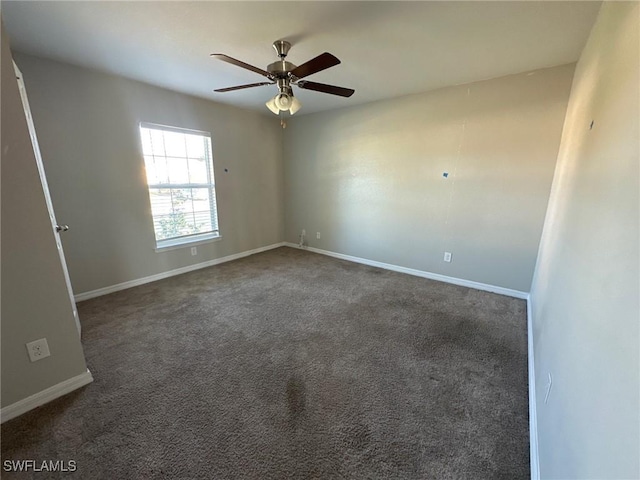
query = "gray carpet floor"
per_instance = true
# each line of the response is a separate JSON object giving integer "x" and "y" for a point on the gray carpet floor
{"x": 289, "y": 364}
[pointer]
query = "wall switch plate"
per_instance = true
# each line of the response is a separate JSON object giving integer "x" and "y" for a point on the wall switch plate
{"x": 38, "y": 349}
{"x": 318, "y": 235}
{"x": 447, "y": 256}
{"x": 194, "y": 250}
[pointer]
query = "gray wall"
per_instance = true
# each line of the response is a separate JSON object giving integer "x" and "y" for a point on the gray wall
{"x": 370, "y": 178}
{"x": 585, "y": 291}
{"x": 35, "y": 301}
{"x": 87, "y": 123}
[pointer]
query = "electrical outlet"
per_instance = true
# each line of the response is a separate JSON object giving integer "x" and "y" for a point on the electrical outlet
{"x": 194, "y": 251}
{"x": 38, "y": 349}
{"x": 447, "y": 256}
{"x": 304, "y": 232}
{"x": 318, "y": 235}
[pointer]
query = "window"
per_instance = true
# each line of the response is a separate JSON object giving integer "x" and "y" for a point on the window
{"x": 179, "y": 166}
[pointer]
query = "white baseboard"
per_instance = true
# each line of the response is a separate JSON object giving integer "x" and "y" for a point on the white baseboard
{"x": 420, "y": 273}
{"x": 533, "y": 416}
{"x": 45, "y": 396}
{"x": 178, "y": 271}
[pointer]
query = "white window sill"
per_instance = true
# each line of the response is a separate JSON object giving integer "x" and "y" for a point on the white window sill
{"x": 174, "y": 244}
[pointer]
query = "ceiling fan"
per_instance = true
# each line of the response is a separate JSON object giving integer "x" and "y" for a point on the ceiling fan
{"x": 285, "y": 75}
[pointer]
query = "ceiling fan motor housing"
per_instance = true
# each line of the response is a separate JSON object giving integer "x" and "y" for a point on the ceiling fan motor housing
{"x": 280, "y": 69}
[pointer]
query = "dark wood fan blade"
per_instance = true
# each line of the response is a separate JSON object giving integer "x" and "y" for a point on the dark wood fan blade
{"x": 321, "y": 87}
{"x": 240, "y": 87}
{"x": 238, "y": 63}
{"x": 321, "y": 62}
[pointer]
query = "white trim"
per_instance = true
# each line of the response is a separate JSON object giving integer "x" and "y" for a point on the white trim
{"x": 186, "y": 242}
{"x": 158, "y": 126}
{"x": 419, "y": 273}
{"x": 533, "y": 416}
{"x": 178, "y": 271}
{"x": 45, "y": 396}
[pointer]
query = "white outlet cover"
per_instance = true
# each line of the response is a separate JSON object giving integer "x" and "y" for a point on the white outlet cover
{"x": 447, "y": 256}
{"x": 38, "y": 349}
{"x": 318, "y": 235}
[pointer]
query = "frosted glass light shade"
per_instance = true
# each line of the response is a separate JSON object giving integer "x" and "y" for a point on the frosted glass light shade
{"x": 295, "y": 105}
{"x": 283, "y": 101}
{"x": 271, "y": 105}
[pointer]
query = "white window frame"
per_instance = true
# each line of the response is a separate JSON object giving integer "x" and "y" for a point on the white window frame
{"x": 197, "y": 238}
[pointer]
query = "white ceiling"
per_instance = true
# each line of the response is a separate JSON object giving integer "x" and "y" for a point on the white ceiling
{"x": 387, "y": 49}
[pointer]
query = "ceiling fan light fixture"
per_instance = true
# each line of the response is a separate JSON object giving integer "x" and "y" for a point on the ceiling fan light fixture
{"x": 284, "y": 102}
